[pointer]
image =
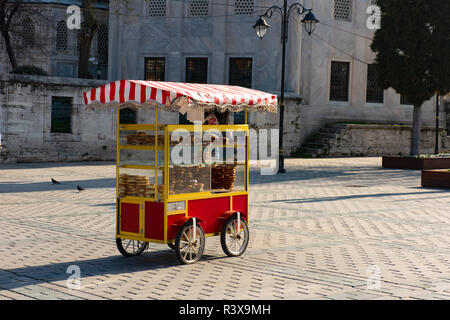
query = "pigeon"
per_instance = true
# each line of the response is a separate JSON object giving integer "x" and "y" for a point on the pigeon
{"x": 55, "y": 182}
{"x": 79, "y": 188}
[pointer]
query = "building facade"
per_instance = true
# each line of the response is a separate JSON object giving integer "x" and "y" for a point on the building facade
{"x": 329, "y": 74}
{"x": 213, "y": 41}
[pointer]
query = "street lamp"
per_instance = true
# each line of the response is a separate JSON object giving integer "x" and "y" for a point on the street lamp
{"x": 261, "y": 26}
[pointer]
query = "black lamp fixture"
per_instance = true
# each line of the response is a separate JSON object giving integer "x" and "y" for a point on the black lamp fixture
{"x": 309, "y": 21}
{"x": 261, "y": 27}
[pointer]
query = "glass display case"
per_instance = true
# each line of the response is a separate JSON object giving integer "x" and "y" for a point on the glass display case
{"x": 197, "y": 159}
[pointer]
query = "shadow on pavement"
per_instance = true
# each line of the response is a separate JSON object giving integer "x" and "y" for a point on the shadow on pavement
{"x": 41, "y": 165}
{"x": 115, "y": 265}
{"x": 17, "y": 187}
{"x": 359, "y": 196}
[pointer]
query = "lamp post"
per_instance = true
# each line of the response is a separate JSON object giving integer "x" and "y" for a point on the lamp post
{"x": 436, "y": 147}
{"x": 261, "y": 27}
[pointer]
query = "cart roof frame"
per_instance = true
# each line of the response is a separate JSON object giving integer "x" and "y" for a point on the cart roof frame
{"x": 176, "y": 96}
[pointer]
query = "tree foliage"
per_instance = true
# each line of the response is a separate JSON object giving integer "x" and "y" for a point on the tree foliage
{"x": 413, "y": 52}
{"x": 413, "y": 48}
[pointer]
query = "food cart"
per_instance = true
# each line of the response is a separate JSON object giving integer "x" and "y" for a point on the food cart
{"x": 178, "y": 184}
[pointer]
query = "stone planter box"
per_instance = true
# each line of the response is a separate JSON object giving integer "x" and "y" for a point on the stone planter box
{"x": 436, "y": 178}
{"x": 415, "y": 163}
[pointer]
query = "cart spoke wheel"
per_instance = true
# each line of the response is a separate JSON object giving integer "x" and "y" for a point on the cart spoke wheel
{"x": 234, "y": 242}
{"x": 188, "y": 248}
{"x": 130, "y": 248}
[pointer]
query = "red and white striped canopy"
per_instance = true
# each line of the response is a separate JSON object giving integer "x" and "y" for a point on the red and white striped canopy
{"x": 175, "y": 95}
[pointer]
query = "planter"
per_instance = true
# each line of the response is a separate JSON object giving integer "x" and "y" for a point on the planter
{"x": 436, "y": 178}
{"x": 415, "y": 163}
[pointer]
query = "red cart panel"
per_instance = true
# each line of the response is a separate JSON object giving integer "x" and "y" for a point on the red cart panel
{"x": 129, "y": 217}
{"x": 209, "y": 211}
{"x": 154, "y": 220}
{"x": 240, "y": 204}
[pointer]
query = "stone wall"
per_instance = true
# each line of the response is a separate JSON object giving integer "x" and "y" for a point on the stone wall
{"x": 25, "y": 121}
{"x": 384, "y": 140}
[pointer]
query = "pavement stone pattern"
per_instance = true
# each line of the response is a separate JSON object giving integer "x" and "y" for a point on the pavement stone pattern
{"x": 341, "y": 228}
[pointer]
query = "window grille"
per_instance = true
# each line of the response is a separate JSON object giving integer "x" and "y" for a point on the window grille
{"x": 374, "y": 93}
{"x": 198, "y": 7}
{"x": 343, "y": 10}
{"x": 197, "y": 70}
{"x": 240, "y": 74}
{"x": 157, "y": 8}
{"x": 61, "y": 36}
{"x": 244, "y": 7}
{"x": 155, "y": 69}
{"x": 339, "y": 81}
{"x": 61, "y": 114}
{"x": 102, "y": 44}
{"x": 28, "y": 33}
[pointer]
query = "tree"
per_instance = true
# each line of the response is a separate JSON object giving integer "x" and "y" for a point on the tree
{"x": 413, "y": 53}
{"x": 87, "y": 33}
{"x": 17, "y": 19}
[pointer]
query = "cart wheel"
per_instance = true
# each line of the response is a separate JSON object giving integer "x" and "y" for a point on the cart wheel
{"x": 234, "y": 242}
{"x": 130, "y": 248}
{"x": 186, "y": 249}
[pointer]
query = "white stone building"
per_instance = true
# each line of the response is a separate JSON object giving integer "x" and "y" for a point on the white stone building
{"x": 328, "y": 74}
{"x": 213, "y": 41}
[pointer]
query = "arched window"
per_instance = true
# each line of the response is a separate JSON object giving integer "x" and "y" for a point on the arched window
{"x": 102, "y": 44}
{"x": 61, "y": 36}
{"x": 28, "y": 33}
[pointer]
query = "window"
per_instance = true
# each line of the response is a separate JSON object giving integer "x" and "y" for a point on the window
{"x": 343, "y": 10}
{"x": 197, "y": 70}
{"x": 66, "y": 69}
{"x": 339, "y": 81}
{"x": 244, "y": 7}
{"x": 240, "y": 74}
{"x": 198, "y": 7}
{"x": 128, "y": 116}
{"x": 61, "y": 36}
{"x": 61, "y": 115}
{"x": 102, "y": 44}
{"x": 155, "y": 69}
{"x": 28, "y": 33}
{"x": 156, "y": 8}
{"x": 374, "y": 93}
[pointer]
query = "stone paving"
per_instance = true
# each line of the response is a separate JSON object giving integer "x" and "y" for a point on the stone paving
{"x": 328, "y": 229}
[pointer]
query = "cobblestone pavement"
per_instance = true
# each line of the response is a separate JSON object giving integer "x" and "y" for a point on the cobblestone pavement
{"x": 327, "y": 229}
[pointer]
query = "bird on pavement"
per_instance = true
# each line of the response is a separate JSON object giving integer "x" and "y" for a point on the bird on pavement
{"x": 55, "y": 182}
{"x": 79, "y": 188}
